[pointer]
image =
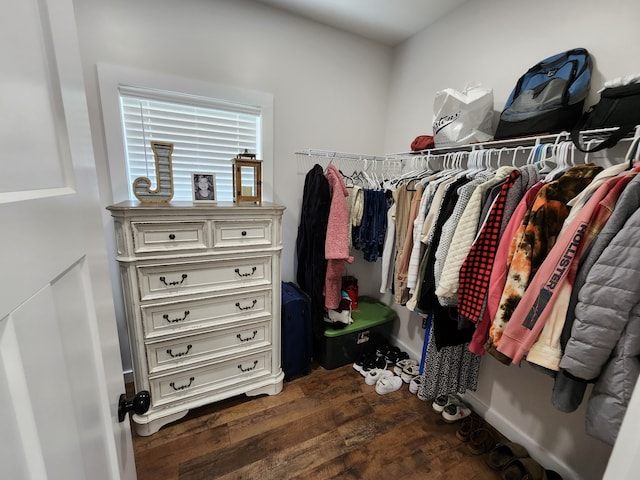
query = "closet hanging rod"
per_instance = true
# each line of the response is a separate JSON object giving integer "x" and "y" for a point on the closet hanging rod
{"x": 348, "y": 156}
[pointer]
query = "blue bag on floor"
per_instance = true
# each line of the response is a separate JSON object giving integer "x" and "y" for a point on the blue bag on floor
{"x": 297, "y": 337}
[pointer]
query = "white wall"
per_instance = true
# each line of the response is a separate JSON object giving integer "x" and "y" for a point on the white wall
{"x": 329, "y": 87}
{"x": 494, "y": 42}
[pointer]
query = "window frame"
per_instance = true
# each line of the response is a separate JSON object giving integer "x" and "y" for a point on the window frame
{"x": 111, "y": 78}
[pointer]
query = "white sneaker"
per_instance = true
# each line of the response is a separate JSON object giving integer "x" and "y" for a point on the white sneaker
{"x": 372, "y": 376}
{"x": 409, "y": 372}
{"x": 455, "y": 411}
{"x": 415, "y": 383}
{"x": 388, "y": 384}
{"x": 442, "y": 401}
{"x": 400, "y": 364}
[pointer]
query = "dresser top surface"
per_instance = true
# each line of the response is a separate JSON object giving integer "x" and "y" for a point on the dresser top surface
{"x": 178, "y": 206}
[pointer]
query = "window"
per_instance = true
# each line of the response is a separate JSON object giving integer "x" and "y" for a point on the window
{"x": 206, "y": 135}
{"x": 208, "y": 124}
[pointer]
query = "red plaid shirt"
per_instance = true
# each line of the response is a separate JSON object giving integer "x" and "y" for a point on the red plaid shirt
{"x": 475, "y": 271}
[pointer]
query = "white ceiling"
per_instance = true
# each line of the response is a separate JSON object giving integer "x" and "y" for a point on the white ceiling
{"x": 386, "y": 21}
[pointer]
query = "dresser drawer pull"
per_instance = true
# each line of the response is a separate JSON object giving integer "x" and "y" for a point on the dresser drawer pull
{"x": 180, "y": 354}
{"x": 176, "y": 320}
{"x": 172, "y": 236}
{"x": 249, "y": 307}
{"x": 253, "y": 270}
{"x": 244, "y": 233}
{"x": 172, "y": 284}
{"x": 248, "y": 369}
{"x": 255, "y": 332}
{"x": 182, "y": 387}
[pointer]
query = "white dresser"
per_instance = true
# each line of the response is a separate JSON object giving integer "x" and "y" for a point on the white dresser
{"x": 201, "y": 287}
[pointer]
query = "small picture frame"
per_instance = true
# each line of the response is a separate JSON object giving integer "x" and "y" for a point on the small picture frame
{"x": 203, "y": 186}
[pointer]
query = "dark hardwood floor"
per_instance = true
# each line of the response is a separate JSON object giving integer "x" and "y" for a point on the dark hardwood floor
{"x": 328, "y": 424}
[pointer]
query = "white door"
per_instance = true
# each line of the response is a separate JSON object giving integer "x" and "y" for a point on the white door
{"x": 60, "y": 369}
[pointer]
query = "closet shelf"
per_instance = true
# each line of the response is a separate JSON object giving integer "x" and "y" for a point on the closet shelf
{"x": 586, "y": 137}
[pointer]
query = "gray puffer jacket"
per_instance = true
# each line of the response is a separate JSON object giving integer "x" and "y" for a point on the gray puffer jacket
{"x": 605, "y": 339}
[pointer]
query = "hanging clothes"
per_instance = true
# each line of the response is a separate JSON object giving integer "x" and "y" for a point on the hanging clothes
{"x": 446, "y": 330}
{"x": 369, "y": 236}
{"x": 464, "y": 236}
{"x": 553, "y": 281}
{"x": 402, "y": 260}
{"x": 605, "y": 342}
{"x": 452, "y": 369}
{"x": 568, "y": 392}
{"x": 356, "y": 208}
{"x": 433, "y": 197}
{"x": 538, "y": 232}
{"x": 448, "y": 229}
{"x": 310, "y": 243}
{"x": 476, "y": 268}
{"x": 337, "y": 241}
{"x": 501, "y": 265}
{"x": 402, "y": 197}
{"x": 389, "y": 251}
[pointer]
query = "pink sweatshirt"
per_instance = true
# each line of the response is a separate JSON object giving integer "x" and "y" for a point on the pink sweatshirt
{"x": 336, "y": 249}
{"x": 559, "y": 267}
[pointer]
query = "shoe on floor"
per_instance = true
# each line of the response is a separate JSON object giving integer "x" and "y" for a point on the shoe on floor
{"x": 386, "y": 349}
{"x": 395, "y": 356}
{"x": 409, "y": 372}
{"x": 469, "y": 425}
{"x": 415, "y": 383}
{"x": 442, "y": 401}
{"x": 481, "y": 440}
{"x": 373, "y": 363}
{"x": 372, "y": 376}
{"x": 388, "y": 384}
{"x": 455, "y": 412}
{"x": 523, "y": 468}
{"x": 504, "y": 453}
{"x": 400, "y": 364}
{"x": 359, "y": 363}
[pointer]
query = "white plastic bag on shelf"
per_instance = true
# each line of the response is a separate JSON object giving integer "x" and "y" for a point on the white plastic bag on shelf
{"x": 462, "y": 117}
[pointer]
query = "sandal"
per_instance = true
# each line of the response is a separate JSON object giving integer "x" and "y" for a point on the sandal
{"x": 469, "y": 425}
{"x": 504, "y": 453}
{"x": 481, "y": 441}
{"x": 523, "y": 468}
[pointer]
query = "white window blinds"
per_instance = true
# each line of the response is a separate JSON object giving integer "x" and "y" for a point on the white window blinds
{"x": 206, "y": 135}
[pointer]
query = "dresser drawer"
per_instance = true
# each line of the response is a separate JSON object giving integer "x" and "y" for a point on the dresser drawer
{"x": 162, "y": 281}
{"x": 216, "y": 376}
{"x": 180, "y": 352}
{"x": 168, "y": 236}
{"x": 181, "y": 316}
{"x": 236, "y": 233}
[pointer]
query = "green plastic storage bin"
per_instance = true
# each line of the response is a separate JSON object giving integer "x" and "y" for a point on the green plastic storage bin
{"x": 371, "y": 327}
